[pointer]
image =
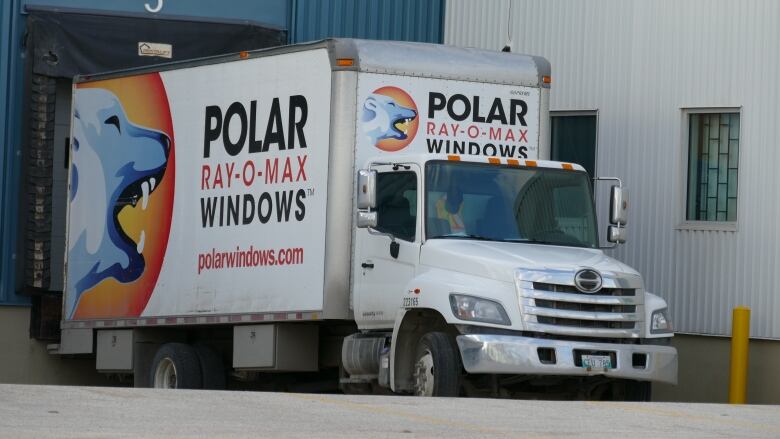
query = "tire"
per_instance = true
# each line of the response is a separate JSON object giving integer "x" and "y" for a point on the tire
{"x": 212, "y": 368}
{"x": 638, "y": 391}
{"x": 176, "y": 366}
{"x": 437, "y": 368}
{"x": 630, "y": 390}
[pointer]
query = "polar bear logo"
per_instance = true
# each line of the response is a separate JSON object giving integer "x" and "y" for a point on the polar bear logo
{"x": 114, "y": 163}
{"x": 383, "y": 118}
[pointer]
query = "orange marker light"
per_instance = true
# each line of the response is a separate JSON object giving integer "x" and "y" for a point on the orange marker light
{"x": 494, "y": 160}
{"x": 567, "y": 166}
{"x": 547, "y": 79}
{"x": 531, "y": 163}
{"x": 453, "y": 158}
{"x": 345, "y": 62}
{"x": 243, "y": 54}
{"x": 513, "y": 162}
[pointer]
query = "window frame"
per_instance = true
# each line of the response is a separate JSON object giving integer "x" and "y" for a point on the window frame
{"x": 416, "y": 237}
{"x": 424, "y": 218}
{"x": 704, "y": 225}
{"x": 565, "y": 113}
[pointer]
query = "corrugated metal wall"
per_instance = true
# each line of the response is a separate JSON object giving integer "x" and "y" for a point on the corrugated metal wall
{"x": 406, "y": 20}
{"x": 10, "y": 137}
{"x": 639, "y": 63}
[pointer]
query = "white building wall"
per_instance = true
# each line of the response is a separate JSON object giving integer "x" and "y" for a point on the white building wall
{"x": 639, "y": 63}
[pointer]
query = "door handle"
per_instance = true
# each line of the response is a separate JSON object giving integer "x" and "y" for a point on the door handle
{"x": 367, "y": 264}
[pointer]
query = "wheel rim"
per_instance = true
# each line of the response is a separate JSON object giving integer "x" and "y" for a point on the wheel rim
{"x": 423, "y": 375}
{"x": 165, "y": 374}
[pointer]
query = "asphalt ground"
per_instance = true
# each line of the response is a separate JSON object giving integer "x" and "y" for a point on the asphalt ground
{"x": 102, "y": 412}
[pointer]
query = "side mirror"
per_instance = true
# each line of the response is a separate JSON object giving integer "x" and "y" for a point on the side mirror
{"x": 366, "y": 190}
{"x": 366, "y": 219}
{"x": 616, "y": 234}
{"x": 618, "y": 207}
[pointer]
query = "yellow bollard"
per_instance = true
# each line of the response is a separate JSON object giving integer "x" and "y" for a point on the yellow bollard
{"x": 740, "y": 332}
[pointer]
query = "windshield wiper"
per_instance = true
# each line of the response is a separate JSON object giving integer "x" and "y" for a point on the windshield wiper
{"x": 523, "y": 240}
{"x": 466, "y": 236}
{"x": 544, "y": 242}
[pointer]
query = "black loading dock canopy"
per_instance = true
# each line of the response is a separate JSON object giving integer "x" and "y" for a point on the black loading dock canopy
{"x": 67, "y": 42}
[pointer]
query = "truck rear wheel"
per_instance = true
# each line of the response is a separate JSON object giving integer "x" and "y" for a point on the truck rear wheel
{"x": 437, "y": 369}
{"x": 176, "y": 366}
{"x": 212, "y": 368}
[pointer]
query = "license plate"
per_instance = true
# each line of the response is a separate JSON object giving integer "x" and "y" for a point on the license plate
{"x": 596, "y": 362}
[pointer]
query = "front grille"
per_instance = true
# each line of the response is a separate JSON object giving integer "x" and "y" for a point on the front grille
{"x": 587, "y": 307}
{"x": 579, "y": 323}
{"x": 564, "y": 310}
{"x": 573, "y": 290}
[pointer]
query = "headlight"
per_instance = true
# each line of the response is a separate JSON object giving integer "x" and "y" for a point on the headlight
{"x": 660, "y": 323}
{"x": 478, "y": 309}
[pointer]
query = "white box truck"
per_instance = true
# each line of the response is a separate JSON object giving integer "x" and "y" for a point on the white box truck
{"x": 383, "y": 214}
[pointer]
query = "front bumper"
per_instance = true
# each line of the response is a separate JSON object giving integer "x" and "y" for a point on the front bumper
{"x": 508, "y": 354}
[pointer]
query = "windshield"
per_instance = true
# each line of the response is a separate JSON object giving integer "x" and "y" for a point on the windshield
{"x": 501, "y": 203}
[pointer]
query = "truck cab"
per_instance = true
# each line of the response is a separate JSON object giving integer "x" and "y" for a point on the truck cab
{"x": 486, "y": 273}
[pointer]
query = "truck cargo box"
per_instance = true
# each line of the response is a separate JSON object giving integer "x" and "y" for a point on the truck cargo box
{"x": 201, "y": 190}
{"x": 221, "y": 190}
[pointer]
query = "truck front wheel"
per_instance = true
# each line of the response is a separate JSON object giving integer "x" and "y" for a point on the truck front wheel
{"x": 638, "y": 391}
{"x": 437, "y": 368}
{"x": 176, "y": 366}
{"x": 626, "y": 390}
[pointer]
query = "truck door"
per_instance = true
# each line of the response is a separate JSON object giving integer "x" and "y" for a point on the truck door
{"x": 381, "y": 274}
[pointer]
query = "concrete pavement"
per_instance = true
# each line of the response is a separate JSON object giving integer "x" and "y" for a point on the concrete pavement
{"x": 103, "y": 412}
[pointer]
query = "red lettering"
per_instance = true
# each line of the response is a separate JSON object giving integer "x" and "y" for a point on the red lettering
{"x": 205, "y": 174}
{"x": 218, "y": 179}
{"x": 249, "y": 178}
{"x": 429, "y": 127}
{"x": 287, "y": 173}
{"x": 523, "y": 133}
{"x": 229, "y": 171}
{"x": 271, "y": 171}
{"x": 201, "y": 262}
{"x": 301, "y": 171}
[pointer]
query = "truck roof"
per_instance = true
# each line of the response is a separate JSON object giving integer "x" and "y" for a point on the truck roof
{"x": 390, "y": 57}
{"x": 420, "y": 158}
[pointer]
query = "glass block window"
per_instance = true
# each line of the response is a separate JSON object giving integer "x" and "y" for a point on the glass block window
{"x": 713, "y": 163}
